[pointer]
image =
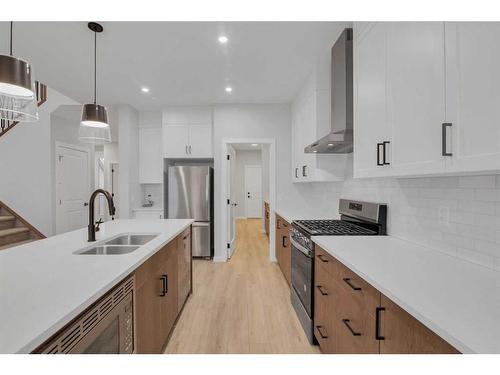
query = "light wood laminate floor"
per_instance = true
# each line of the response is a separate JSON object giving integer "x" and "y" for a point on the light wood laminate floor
{"x": 241, "y": 306}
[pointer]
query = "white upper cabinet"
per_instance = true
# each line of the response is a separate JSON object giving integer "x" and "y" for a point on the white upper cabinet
{"x": 187, "y": 132}
{"x": 416, "y": 96}
{"x": 150, "y": 156}
{"x": 371, "y": 127}
{"x": 473, "y": 95}
{"x": 429, "y": 92}
{"x": 310, "y": 121}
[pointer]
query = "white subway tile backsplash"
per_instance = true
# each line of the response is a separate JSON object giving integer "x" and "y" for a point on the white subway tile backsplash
{"x": 485, "y": 182}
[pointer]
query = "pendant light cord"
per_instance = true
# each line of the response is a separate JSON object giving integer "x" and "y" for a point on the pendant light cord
{"x": 95, "y": 67}
{"x": 11, "y": 25}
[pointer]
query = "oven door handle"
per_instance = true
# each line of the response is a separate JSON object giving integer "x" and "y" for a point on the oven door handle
{"x": 301, "y": 248}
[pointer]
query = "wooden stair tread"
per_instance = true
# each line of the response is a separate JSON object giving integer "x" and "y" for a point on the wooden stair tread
{"x": 7, "y": 218}
{"x": 16, "y": 244}
{"x": 10, "y": 231}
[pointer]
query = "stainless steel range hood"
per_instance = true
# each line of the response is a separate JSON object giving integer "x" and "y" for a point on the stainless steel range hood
{"x": 340, "y": 139}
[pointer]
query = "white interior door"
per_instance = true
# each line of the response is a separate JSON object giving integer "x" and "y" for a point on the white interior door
{"x": 231, "y": 222}
{"x": 253, "y": 191}
{"x": 72, "y": 187}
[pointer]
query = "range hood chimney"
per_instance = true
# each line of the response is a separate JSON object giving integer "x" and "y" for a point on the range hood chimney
{"x": 340, "y": 139}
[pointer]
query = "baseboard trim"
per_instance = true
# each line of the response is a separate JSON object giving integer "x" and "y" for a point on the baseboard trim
{"x": 220, "y": 259}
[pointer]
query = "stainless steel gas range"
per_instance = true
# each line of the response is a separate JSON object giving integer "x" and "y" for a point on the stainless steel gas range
{"x": 356, "y": 219}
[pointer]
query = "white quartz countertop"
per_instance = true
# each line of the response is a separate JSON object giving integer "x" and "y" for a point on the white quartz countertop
{"x": 43, "y": 285}
{"x": 458, "y": 300}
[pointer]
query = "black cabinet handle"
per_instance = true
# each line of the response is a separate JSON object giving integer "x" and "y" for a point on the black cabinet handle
{"x": 278, "y": 224}
{"x": 296, "y": 172}
{"x": 323, "y": 292}
{"x": 378, "y": 336}
{"x": 320, "y": 257}
{"x": 384, "y": 153}
{"x": 323, "y": 336}
{"x": 283, "y": 241}
{"x": 164, "y": 285}
{"x": 378, "y": 154}
{"x": 444, "y": 138}
{"x": 348, "y": 282}
{"x": 348, "y": 325}
{"x": 304, "y": 168}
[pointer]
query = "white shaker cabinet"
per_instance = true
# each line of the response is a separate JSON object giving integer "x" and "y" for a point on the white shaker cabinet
{"x": 416, "y": 96}
{"x": 371, "y": 127}
{"x": 473, "y": 96}
{"x": 150, "y": 156}
{"x": 187, "y": 132}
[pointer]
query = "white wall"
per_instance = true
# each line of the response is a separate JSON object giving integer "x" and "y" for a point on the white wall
{"x": 243, "y": 158}
{"x": 26, "y": 165}
{"x": 129, "y": 191}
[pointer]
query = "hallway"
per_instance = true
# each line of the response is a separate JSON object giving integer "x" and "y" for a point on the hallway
{"x": 241, "y": 306}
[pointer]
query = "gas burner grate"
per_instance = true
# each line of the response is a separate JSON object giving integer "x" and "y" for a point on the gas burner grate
{"x": 333, "y": 228}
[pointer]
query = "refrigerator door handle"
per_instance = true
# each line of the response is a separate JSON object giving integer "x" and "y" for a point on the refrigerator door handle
{"x": 207, "y": 186}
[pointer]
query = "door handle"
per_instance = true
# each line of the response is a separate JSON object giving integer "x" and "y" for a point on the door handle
{"x": 164, "y": 285}
{"x": 384, "y": 150}
{"x": 378, "y": 154}
{"x": 347, "y": 323}
{"x": 323, "y": 336}
{"x": 444, "y": 133}
{"x": 378, "y": 336}
{"x": 348, "y": 282}
{"x": 323, "y": 292}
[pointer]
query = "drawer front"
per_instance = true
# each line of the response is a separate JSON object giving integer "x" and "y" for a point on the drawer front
{"x": 325, "y": 310}
{"x": 355, "y": 326}
{"x": 324, "y": 259}
{"x": 363, "y": 295}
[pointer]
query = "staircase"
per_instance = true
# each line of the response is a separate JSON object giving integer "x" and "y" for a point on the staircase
{"x": 14, "y": 230}
{"x": 41, "y": 97}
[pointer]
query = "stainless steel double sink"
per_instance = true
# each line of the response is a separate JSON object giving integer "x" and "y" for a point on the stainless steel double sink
{"x": 122, "y": 244}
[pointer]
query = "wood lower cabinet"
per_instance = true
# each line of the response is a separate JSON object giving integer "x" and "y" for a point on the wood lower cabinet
{"x": 352, "y": 317}
{"x": 283, "y": 249}
{"x": 159, "y": 283}
{"x": 403, "y": 334}
{"x": 184, "y": 259}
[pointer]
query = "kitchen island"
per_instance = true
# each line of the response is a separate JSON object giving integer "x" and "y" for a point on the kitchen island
{"x": 44, "y": 285}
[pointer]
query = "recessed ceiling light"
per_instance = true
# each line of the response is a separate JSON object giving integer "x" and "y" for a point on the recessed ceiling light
{"x": 255, "y": 144}
{"x": 330, "y": 144}
{"x": 144, "y": 89}
{"x": 223, "y": 39}
{"x": 228, "y": 89}
{"x": 315, "y": 150}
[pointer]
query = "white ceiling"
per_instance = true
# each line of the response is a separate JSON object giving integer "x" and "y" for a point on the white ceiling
{"x": 181, "y": 62}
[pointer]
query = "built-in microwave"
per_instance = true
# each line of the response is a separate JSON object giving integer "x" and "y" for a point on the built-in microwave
{"x": 107, "y": 327}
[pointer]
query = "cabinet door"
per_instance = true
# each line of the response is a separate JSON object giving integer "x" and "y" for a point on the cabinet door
{"x": 200, "y": 141}
{"x": 325, "y": 308}
{"x": 175, "y": 140}
{"x": 286, "y": 260}
{"x": 371, "y": 126}
{"x": 403, "y": 334}
{"x": 169, "y": 299}
{"x": 148, "y": 308}
{"x": 416, "y": 96}
{"x": 473, "y": 95}
{"x": 150, "y": 156}
{"x": 184, "y": 267}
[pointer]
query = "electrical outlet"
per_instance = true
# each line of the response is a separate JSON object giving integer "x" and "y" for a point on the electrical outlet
{"x": 444, "y": 215}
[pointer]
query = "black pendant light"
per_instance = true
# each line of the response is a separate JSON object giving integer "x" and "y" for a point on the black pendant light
{"x": 94, "y": 127}
{"x": 17, "y": 88}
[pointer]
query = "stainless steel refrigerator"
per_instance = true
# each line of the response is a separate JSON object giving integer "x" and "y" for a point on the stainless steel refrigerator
{"x": 190, "y": 196}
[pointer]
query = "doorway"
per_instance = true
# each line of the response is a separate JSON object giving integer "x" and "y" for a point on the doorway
{"x": 72, "y": 186}
{"x": 248, "y": 175}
